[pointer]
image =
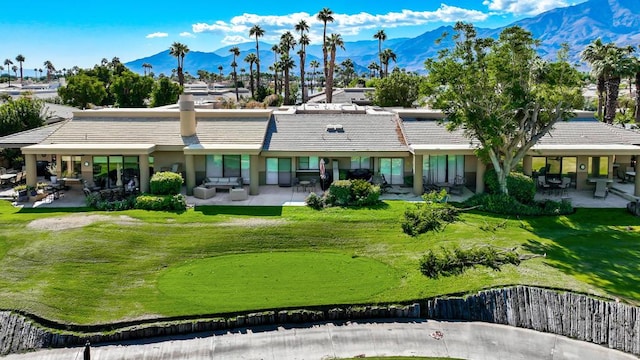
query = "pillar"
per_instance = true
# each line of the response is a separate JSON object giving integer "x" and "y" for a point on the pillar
{"x": 143, "y": 162}
{"x": 190, "y": 173}
{"x": 59, "y": 167}
{"x": 32, "y": 170}
{"x": 480, "y": 177}
{"x": 527, "y": 165}
{"x": 254, "y": 175}
{"x": 417, "y": 174}
{"x": 582, "y": 174}
{"x": 610, "y": 167}
{"x": 636, "y": 190}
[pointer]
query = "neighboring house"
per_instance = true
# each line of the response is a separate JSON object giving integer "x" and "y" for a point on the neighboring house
{"x": 274, "y": 146}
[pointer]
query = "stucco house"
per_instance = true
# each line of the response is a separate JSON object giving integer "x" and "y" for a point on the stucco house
{"x": 275, "y": 146}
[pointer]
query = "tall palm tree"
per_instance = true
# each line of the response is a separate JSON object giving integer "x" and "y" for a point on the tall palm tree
{"x": 20, "y": 59}
{"x": 615, "y": 65}
{"x": 276, "y": 52}
{"x": 381, "y": 36}
{"x": 220, "y": 71}
{"x": 40, "y": 71}
{"x": 314, "y": 64}
{"x": 35, "y": 77}
{"x": 637, "y": 76}
{"x": 286, "y": 64}
{"x": 593, "y": 53}
{"x": 8, "y": 63}
{"x": 373, "y": 67}
{"x": 147, "y": 66}
{"x": 179, "y": 51}
{"x": 257, "y": 31}
{"x": 387, "y": 55}
{"x": 236, "y": 52}
{"x": 334, "y": 42}
{"x": 15, "y": 70}
{"x": 251, "y": 58}
{"x": 302, "y": 26}
{"x": 325, "y": 15}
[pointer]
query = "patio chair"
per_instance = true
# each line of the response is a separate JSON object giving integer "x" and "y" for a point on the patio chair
{"x": 564, "y": 187}
{"x": 542, "y": 184}
{"x": 458, "y": 185}
{"x": 601, "y": 190}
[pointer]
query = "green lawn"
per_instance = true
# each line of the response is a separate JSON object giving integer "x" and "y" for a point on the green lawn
{"x": 224, "y": 259}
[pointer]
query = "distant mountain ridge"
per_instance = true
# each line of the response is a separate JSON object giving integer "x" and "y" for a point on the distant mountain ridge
{"x": 611, "y": 20}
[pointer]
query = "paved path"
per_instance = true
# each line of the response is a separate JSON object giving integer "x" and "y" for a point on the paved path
{"x": 466, "y": 340}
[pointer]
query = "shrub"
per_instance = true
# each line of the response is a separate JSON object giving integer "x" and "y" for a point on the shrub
{"x": 519, "y": 185}
{"x": 161, "y": 202}
{"x": 165, "y": 183}
{"x": 315, "y": 201}
{"x": 428, "y": 217}
{"x": 339, "y": 193}
{"x": 97, "y": 202}
{"x": 507, "y": 205}
{"x": 454, "y": 263}
{"x": 363, "y": 193}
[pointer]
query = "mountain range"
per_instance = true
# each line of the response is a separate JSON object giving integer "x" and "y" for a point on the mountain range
{"x": 615, "y": 21}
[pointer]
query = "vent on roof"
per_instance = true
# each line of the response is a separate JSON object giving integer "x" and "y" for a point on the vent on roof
{"x": 335, "y": 128}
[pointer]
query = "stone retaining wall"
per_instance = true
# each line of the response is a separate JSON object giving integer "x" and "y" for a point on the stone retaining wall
{"x": 573, "y": 315}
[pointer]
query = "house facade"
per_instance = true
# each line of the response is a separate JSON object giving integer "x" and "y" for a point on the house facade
{"x": 112, "y": 147}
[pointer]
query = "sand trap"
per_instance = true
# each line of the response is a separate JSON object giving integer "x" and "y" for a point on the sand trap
{"x": 77, "y": 221}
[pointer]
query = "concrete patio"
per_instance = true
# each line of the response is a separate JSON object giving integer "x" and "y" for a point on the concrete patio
{"x": 271, "y": 195}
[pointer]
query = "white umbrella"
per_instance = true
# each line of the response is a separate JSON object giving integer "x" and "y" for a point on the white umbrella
{"x": 322, "y": 170}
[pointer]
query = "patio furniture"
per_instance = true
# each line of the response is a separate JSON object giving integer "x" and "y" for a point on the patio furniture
{"x": 458, "y": 185}
{"x": 601, "y": 190}
{"x": 202, "y": 192}
{"x": 564, "y": 187}
{"x": 238, "y": 194}
{"x": 542, "y": 184}
{"x": 223, "y": 182}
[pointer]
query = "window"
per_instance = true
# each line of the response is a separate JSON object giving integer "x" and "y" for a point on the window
{"x": 442, "y": 168}
{"x": 308, "y": 163}
{"x": 392, "y": 169}
{"x": 360, "y": 162}
{"x": 598, "y": 166}
{"x": 228, "y": 166}
{"x": 71, "y": 166}
{"x": 114, "y": 171}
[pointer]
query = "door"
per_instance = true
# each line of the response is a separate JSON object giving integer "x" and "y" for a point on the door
{"x": 272, "y": 171}
{"x": 284, "y": 171}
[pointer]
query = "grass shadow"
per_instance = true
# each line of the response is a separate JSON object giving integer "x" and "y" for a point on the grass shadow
{"x": 239, "y": 210}
{"x": 49, "y": 210}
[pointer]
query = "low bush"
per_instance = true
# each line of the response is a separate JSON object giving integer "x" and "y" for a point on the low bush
{"x": 428, "y": 217}
{"x": 161, "y": 202}
{"x": 457, "y": 261}
{"x": 519, "y": 185}
{"x": 352, "y": 193}
{"x": 508, "y": 205}
{"x": 314, "y": 201}
{"x": 96, "y": 201}
{"x": 165, "y": 183}
{"x": 339, "y": 193}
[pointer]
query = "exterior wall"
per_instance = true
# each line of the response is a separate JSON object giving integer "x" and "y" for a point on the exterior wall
{"x": 470, "y": 169}
{"x": 582, "y": 175}
{"x": 164, "y": 159}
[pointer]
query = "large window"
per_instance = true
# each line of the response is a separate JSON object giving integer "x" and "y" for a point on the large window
{"x": 360, "y": 162}
{"x": 308, "y": 163}
{"x": 229, "y": 166}
{"x": 393, "y": 170}
{"x": 598, "y": 166}
{"x": 442, "y": 168}
{"x": 71, "y": 166}
{"x": 115, "y": 171}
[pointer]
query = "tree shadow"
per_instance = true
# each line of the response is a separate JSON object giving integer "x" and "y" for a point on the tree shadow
{"x": 239, "y": 210}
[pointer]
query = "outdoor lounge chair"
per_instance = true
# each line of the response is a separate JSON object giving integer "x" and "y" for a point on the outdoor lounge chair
{"x": 601, "y": 190}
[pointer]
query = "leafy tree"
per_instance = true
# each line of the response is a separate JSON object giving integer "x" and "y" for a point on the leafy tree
{"x": 131, "y": 89}
{"x": 257, "y": 31}
{"x": 381, "y": 36}
{"x": 82, "y": 90}
{"x": 489, "y": 89}
{"x": 165, "y": 92}
{"x": 401, "y": 88}
{"x": 22, "y": 114}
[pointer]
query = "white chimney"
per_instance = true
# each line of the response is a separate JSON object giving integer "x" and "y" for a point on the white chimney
{"x": 187, "y": 115}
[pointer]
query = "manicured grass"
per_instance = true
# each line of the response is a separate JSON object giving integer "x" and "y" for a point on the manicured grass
{"x": 115, "y": 270}
{"x": 405, "y": 358}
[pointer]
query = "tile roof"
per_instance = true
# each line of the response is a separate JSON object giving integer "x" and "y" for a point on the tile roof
{"x": 308, "y": 132}
{"x": 29, "y": 137}
{"x": 431, "y": 131}
{"x": 159, "y": 131}
{"x": 578, "y": 132}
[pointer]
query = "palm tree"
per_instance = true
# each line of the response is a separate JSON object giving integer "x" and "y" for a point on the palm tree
{"x": 220, "y": 71}
{"x": 179, "y": 51}
{"x": 614, "y": 65}
{"x": 325, "y": 15}
{"x": 593, "y": 53}
{"x": 236, "y": 52}
{"x": 637, "y": 76}
{"x": 146, "y": 66}
{"x": 302, "y": 26}
{"x": 334, "y": 42}
{"x": 35, "y": 77}
{"x": 20, "y": 59}
{"x": 286, "y": 64}
{"x": 387, "y": 55}
{"x": 40, "y": 71}
{"x": 15, "y": 71}
{"x": 8, "y": 63}
{"x": 48, "y": 65}
{"x": 251, "y": 58}
{"x": 373, "y": 67}
{"x": 314, "y": 64}
{"x": 257, "y": 31}
{"x": 381, "y": 36}
{"x": 276, "y": 51}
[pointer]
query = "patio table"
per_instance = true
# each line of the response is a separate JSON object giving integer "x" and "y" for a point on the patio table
{"x": 6, "y": 178}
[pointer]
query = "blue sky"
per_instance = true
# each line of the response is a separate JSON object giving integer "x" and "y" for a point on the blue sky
{"x": 69, "y": 33}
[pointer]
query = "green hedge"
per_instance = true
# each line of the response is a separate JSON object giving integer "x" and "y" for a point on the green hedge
{"x": 161, "y": 202}
{"x": 165, "y": 183}
{"x": 520, "y": 186}
{"x": 508, "y": 205}
{"x": 352, "y": 193}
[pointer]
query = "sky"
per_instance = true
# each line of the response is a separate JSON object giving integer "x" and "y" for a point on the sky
{"x": 82, "y": 33}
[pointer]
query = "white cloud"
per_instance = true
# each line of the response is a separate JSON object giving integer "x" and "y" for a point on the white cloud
{"x": 524, "y": 7}
{"x": 234, "y": 39}
{"x": 346, "y": 24}
{"x": 157, "y": 35}
{"x": 187, "y": 34}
